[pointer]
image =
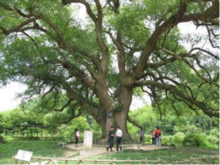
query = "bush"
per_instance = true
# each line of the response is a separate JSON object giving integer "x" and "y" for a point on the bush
{"x": 213, "y": 139}
{"x": 187, "y": 129}
{"x": 7, "y": 138}
{"x": 167, "y": 140}
{"x": 194, "y": 140}
{"x": 215, "y": 132}
{"x": 175, "y": 140}
{"x": 147, "y": 139}
{"x": 178, "y": 139}
{"x": 198, "y": 140}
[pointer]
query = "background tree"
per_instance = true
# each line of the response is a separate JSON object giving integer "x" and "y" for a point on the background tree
{"x": 123, "y": 46}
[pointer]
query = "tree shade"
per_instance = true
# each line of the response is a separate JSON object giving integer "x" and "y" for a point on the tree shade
{"x": 124, "y": 47}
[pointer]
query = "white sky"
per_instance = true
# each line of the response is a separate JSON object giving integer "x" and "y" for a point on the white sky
{"x": 8, "y": 93}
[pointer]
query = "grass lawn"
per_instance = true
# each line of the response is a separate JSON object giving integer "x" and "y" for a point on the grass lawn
{"x": 50, "y": 148}
{"x": 45, "y": 148}
{"x": 169, "y": 155}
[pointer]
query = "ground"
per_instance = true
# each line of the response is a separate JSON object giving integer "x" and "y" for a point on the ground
{"x": 100, "y": 150}
{"x": 51, "y": 149}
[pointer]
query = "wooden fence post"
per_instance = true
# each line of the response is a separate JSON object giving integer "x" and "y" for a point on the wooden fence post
{"x": 191, "y": 160}
{"x": 159, "y": 160}
{"x": 146, "y": 161}
{"x": 39, "y": 160}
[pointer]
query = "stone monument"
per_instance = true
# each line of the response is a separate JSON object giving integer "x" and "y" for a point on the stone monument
{"x": 88, "y": 139}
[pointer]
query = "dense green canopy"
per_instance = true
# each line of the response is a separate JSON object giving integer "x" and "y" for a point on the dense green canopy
{"x": 120, "y": 48}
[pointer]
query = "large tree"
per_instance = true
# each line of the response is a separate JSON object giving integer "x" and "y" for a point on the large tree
{"x": 123, "y": 47}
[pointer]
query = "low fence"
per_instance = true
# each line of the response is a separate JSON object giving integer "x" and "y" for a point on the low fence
{"x": 43, "y": 160}
{"x": 96, "y": 138}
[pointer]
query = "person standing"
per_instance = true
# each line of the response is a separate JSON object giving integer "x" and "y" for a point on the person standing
{"x": 153, "y": 137}
{"x": 158, "y": 136}
{"x": 110, "y": 139}
{"x": 141, "y": 132}
{"x": 119, "y": 135}
{"x": 77, "y": 135}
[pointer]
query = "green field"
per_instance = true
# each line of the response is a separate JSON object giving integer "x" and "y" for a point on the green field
{"x": 50, "y": 148}
{"x": 168, "y": 155}
{"x": 45, "y": 148}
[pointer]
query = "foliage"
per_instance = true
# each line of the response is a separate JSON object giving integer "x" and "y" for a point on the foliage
{"x": 187, "y": 129}
{"x": 167, "y": 140}
{"x": 215, "y": 132}
{"x": 178, "y": 138}
{"x": 198, "y": 140}
{"x": 147, "y": 139}
{"x": 170, "y": 123}
{"x": 213, "y": 140}
{"x": 174, "y": 140}
{"x": 32, "y": 122}
{"x": 145, "y": 117}
{"x": 7, "y": 138}
{"x": 120, "y": 49}
{"x": 68, "y": 130}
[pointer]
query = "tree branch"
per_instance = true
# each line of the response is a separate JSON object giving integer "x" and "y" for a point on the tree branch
{"x": 199, "y": 104}
{"x": 209, "y": 14}
{"x": 133, "y": 122}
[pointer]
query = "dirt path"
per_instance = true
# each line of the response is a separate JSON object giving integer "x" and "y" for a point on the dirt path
{"x": 97, "y": 150}
{"x": 81, "y": 152}
{"x": 85, "y": 152}
{"x": 145, "y": 147}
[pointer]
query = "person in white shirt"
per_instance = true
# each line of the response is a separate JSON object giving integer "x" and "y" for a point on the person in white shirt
{"x": 77, "y": 135}
{"x": 119, "y": 135}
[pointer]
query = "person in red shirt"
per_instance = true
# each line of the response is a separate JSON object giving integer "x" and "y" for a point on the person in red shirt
{"x": 158, "y": 136}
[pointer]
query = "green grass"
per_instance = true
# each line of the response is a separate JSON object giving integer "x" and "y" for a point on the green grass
{"x": 46, "y": 148}
{"x": 169, "y": 155}
{"x": 50, "y": 148}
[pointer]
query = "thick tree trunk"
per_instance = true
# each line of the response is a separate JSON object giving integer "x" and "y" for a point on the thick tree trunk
{"x": 118, "y": 119}
{"x": 118, "y": 115}
{"x": 115, "y": 110}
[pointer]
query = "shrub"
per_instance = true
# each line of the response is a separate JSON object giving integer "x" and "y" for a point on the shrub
{"x": 187, "y": 129}
{"x": 215, "y": 132}
{"x": 148, "y": 139}
{"x": 198, "y": 140}
{"x": 167, "y": 140}
{"x": 213, "y": 139}
{"x": 175, "y": 140}
{"x": 178, "y": 138}
{"x": 7, "y": 138}
{"x": 194, "y": 140}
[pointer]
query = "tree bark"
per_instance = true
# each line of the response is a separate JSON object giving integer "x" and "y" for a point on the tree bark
{"x": 117, "y": 114}
{"x": 118, "y": 119}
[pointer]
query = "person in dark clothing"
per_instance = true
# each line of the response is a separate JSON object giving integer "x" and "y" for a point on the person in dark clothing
{"x": 141, "y": 132}
{"x": 110, "y": 139}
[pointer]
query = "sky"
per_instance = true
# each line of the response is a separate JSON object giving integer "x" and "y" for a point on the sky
{"x": 8, "y": 99}
{"x": 8, "y": 93}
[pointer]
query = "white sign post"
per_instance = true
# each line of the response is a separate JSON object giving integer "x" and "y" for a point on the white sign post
{"x": 88, "y": 139}
{"x": 24, "y": 156}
